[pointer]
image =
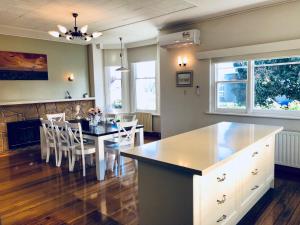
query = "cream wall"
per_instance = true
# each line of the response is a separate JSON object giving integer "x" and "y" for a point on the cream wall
{"x": 181, "y": 108}
{"x": 62, "y": 59}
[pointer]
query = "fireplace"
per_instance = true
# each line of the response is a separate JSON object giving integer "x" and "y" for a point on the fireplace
{"x": 23, "y": 133}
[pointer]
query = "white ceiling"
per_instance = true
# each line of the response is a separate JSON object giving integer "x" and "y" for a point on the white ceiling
{"x": 134, "y": 20}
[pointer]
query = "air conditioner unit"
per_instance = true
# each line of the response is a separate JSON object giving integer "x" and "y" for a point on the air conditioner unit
{"x": 180, "y": 39}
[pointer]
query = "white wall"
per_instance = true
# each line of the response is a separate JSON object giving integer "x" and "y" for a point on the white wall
{"x": 181, "y": 108}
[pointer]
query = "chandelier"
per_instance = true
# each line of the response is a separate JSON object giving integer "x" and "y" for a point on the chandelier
{"x": 75, "y": 33}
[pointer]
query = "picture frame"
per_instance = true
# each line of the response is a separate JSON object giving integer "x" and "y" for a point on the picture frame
{"x": 23, "y": 66}
{"x": 184, "y": 79}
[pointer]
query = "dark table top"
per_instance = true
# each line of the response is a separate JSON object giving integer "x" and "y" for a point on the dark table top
{"x": 100, "y": 130}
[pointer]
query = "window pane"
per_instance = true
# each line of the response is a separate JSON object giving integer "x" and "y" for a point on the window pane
{"x": 274, "y": 61}
{"x": 231, "y": 95}
{"x": 145, "y": 94}
{"x": 231, "y": 71}
{"x": 114, "y": 82}
{"x": 145, "y": 69}
{"x": 116, "y": 94}
{"x": 277, "y": 87}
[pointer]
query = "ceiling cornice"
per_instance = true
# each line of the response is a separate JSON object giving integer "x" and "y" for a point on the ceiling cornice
{"x": 34, "y": 34}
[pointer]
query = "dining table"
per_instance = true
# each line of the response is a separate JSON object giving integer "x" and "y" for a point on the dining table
{"x": 99, "y": 133}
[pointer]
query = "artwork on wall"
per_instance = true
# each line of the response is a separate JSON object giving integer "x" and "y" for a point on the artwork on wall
{"x": 23, "y": 66}
{"x": 184, "y": 79}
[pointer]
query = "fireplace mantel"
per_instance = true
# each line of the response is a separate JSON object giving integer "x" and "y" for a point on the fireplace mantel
{"x": 29, "y": 110}
{"x": 45, "y": 101}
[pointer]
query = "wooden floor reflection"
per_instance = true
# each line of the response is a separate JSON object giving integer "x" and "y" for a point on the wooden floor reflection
{"x": 33, "y": 192}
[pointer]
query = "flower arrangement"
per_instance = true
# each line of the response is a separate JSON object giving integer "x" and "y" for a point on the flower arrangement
{"x": 94, "y": 115}
{"x": 92, "y": 112}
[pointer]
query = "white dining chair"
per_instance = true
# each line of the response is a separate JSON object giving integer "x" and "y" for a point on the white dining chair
{"x": 77, "y": 146}
{"x": 126, "y": 117}
{"x": 56, "y": 117}
{"x": 50, "y": 139}
{"x": 124, "y": 140}
{"x": 63, "y": 141}
{"x": 109, "y": 117}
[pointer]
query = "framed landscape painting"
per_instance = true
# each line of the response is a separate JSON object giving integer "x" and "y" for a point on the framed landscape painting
{"x": 23, "y": 66}
{"x": 184, "y": 79}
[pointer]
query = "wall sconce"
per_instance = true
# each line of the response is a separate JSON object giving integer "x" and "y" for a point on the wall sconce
{"x": 198, "y": 90}
{"x": 182, "y": 61}
{"x": 71, "y": 77}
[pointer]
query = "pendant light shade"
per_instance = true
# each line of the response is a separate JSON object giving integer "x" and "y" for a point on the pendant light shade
{"x": 122, "y": 68}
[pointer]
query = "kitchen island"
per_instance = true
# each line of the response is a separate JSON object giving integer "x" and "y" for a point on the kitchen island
{"x": 212, "y": 175}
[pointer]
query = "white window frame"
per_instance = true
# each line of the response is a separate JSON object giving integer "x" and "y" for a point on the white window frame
{"x": 215, "y": 91}
{"x": 250, "y": 94}
{"x": 108, "y": 107}
{"x": 134, "y": 105}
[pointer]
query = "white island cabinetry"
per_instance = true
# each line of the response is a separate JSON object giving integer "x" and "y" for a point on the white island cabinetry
{"x": 210, "y": 176}
{"x": 228, "y": 192}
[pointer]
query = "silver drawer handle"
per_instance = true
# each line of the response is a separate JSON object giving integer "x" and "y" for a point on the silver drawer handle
{"x": 267, "y": 145}
{"x": 222, "y": 179}
{"x": 255, "y": 172}
{"x": 222, "y": 201}
{"x": 254, "y": 154}
{"x": 254, "y": 188}
{"x": 221, "y": 218}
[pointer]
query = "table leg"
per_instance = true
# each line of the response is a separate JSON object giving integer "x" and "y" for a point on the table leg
{"x": 43, "y": 144}
{"x": 140, "y": 137}
{"x": 100, "y": 159}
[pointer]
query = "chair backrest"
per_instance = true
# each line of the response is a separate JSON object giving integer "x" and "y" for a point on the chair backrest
{"x": 126, "y": 117}
{"x": 56, "y": 117}
{"x": 48, "y": 130}
{"x": 75, "y": 134}
{"x": 127, "y": 135}
{"x": 109, "y": 117}
{"x": 61, "y": 130}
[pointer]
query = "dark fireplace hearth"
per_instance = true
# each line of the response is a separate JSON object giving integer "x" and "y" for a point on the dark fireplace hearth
{"x": 23, "y": 133}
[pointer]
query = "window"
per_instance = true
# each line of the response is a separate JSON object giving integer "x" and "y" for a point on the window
{"x": 145, "y": 86}
{"x": 231, "y": 85}
{"x": 113, "y": 85}
{"x": 261, "y": 86}
{"x": 277, "y": 84}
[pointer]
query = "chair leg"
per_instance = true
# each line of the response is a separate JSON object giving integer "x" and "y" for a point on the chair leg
{"x": 73, "y": 159}
{"x": 106, "y": 159}
{"x": 119, "y": 165}
{"x": 83, "y": 165}
{"x": 70, "y": 160}
{"x": 56, "y": 155}
{"x": 59, "y": 157}
{"x": 48, "y": 154}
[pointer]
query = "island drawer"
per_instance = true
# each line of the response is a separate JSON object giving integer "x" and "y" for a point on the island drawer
{"x": 218, "y": 210}
{"x": 257, "y": 168}
{"x": 221, "y": 180}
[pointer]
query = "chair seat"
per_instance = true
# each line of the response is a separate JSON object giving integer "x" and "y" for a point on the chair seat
{"x": 88, "y": 149}
{"x": 116, "y": 142}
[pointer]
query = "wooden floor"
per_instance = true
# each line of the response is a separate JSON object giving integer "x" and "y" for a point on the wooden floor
{"x": 33, "y": 192}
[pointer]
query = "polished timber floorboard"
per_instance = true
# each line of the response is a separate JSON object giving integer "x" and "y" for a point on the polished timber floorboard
{"x": 32, "y": 192}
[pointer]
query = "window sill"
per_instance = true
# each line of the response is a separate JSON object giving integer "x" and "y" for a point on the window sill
{"x": 255, "y": 115}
